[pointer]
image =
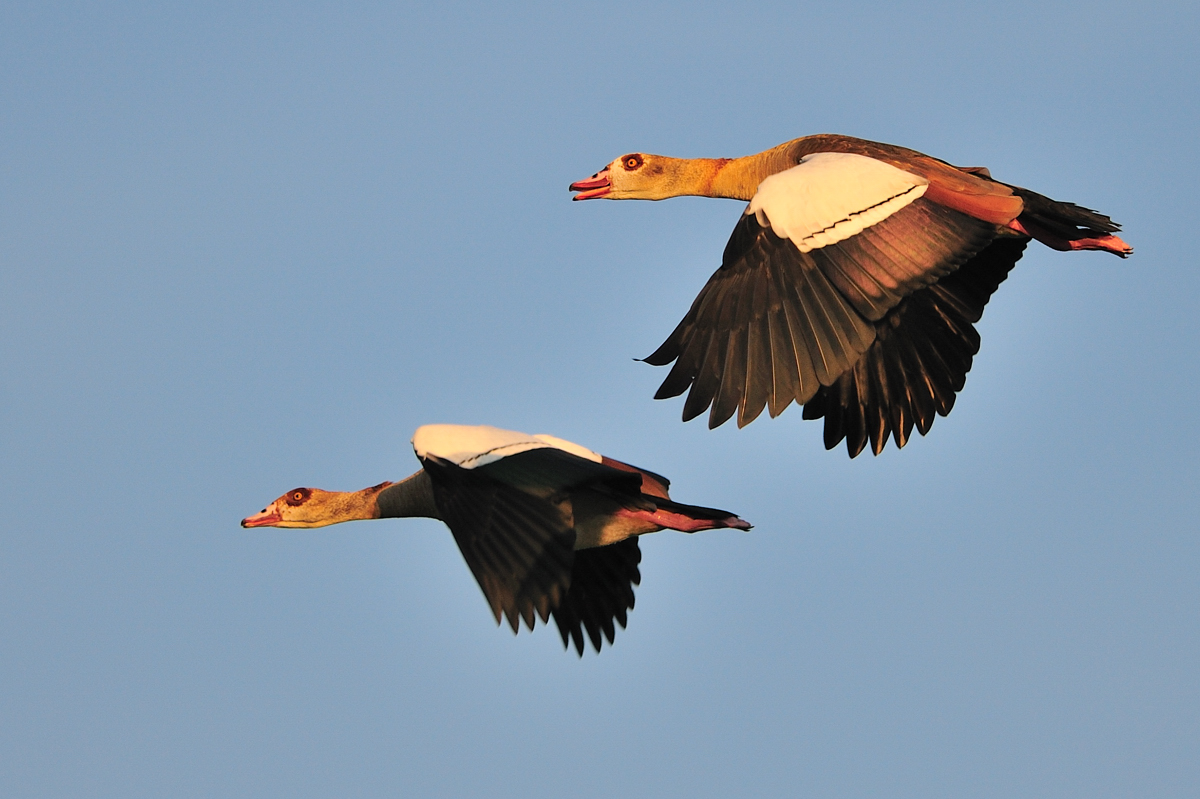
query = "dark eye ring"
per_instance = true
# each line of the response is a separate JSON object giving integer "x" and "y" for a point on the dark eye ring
{"x": 632, "y": 162}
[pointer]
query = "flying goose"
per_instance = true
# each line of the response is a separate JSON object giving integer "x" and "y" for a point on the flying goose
{"x": 546, "y": 526}
{"x": 850, "y": 284}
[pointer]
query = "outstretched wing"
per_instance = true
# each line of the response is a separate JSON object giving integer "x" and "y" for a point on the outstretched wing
{"x": 520, "y": 546}
{"x": 919, "y": 360}
{"x": 514, "y": 522}
{"x": 809, "y": 271}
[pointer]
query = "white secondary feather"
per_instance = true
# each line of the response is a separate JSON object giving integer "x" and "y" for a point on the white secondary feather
{"x": 469, "y": 446}
{"x": 829, "y": 197}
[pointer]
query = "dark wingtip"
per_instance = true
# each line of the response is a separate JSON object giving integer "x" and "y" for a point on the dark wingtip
{"x": 745, "y": 417}
{"x": 855, "y": 451}
{"x": 666, "y": 393}
{"x": 658, "y": 357}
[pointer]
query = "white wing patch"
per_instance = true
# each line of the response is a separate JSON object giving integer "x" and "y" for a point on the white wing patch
{"x": 829, "y": 197}
{"x": 469, "y": 447}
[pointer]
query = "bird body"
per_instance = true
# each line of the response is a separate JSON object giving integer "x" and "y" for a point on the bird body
{"x": 851, "y": 283}
{"x": 546, "y": 526}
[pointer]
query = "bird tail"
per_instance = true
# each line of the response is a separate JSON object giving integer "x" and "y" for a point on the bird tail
{"x": 686, "y": 518}
{"x": 1066, "y": 226}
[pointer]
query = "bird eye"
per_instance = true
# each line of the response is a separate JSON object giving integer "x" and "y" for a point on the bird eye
{"x": 632, "y": 162}
{"x": 297, "y": 496}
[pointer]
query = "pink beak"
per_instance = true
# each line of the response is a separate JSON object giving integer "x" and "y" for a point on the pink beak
{"x": 268, "y": 518}
{"x": 597, "y": 185}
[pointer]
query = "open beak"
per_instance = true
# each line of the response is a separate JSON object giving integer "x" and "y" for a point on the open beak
{"x": 268, "y": 518}
{"x": 597, "y": 185}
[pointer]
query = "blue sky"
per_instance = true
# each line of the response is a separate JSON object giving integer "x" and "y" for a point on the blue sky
{"x": 248, "y": 248}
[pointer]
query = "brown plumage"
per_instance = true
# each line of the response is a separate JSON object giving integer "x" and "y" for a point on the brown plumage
{"x": 851, "y": 284}
{"x": 547, "y": 527}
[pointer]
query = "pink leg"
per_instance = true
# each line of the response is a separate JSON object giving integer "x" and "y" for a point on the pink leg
{"x": 678, "y": 521}
{"x": 1111, "y": 244}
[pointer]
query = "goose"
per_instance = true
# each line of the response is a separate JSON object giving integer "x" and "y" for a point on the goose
{"x": 546, "y": 526}
{"x": 851, "y": 282}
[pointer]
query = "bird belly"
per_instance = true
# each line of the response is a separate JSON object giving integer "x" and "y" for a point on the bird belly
{"x": 599, "y": 522}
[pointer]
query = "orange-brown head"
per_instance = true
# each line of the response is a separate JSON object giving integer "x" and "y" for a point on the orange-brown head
{"x": 312, "y": 507}
{"x": 643, "y": 176}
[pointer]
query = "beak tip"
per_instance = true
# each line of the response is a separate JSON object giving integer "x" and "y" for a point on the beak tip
{"x": 597, "y": 185}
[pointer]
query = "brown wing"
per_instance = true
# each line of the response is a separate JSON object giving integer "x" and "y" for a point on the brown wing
{"x": 514, "y": 523}
{"x": 519, "y": 546}
{"x": 601, "y": 592}
{"x": 774, "y": 324}
{"x": 919, "y": 360}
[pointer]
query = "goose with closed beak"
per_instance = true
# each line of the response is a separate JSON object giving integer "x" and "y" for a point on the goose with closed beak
{"x": 850, "y": 285}
{"x": 548, "y": 528}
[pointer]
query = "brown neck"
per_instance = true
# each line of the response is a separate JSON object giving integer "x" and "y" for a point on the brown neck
{"x": 412, "y": 496}
{"x": 731, "y": 178}
{"x": 738, "y": 178}
{"x": 335, "y": 507}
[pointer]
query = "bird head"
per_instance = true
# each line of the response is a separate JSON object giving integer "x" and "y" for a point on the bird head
{"x": 633, "y": 176}
{"x": 312, "y": 507}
